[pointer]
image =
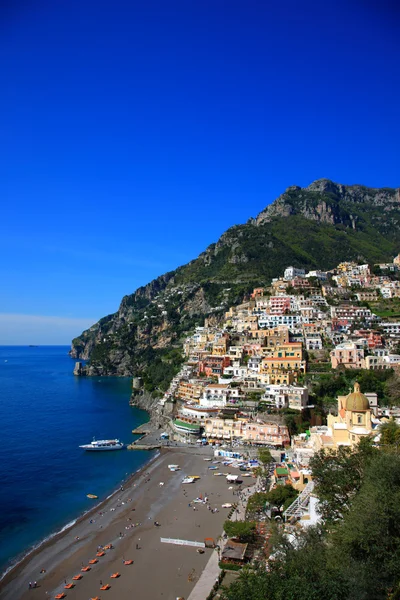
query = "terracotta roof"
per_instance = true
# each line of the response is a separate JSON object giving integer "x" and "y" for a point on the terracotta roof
{"x": 280, "y": 358}
{"x": 326, "y": 439}
{"x": 217, "y": 385}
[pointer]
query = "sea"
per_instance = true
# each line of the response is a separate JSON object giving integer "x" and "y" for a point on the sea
{"x": 45, "y": 414}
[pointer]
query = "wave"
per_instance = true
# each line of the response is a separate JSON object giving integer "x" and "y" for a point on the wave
{"x": 21, "y": 557}
{"x": 35, "y": 547}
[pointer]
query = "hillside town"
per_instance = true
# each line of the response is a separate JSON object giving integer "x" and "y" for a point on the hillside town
{"x": 247, "y": 380}
{"x": 299, "y": 371}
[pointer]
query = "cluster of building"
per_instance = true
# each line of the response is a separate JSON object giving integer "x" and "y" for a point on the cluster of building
{"x": 253, "y": 364}
{"x": 357, "y": 416}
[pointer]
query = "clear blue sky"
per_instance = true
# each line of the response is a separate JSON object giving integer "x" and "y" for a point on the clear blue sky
{"x": 134, "y": 133}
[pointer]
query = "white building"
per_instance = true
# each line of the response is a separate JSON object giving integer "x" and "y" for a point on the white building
{"x": 321, "y": 275}
{"x": 272, "y": 321}
{"x": 214, "y": 395}
{"x": 291, "y": 272}
{"x": 390, "y": 328}
{"x": 286, "y": 396}
{"x": 313, "y": 342}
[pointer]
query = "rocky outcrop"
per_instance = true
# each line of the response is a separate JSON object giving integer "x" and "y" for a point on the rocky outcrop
{"x": 313, "y": 227}
{"x": 328, "y": 202}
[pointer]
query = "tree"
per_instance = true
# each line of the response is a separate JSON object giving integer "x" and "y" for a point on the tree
{"x": 368, "y": 540}
{"x": 390, "y": 433}
{"x": 392, "y": 389}
{"x": 244, "y": 531}
{"x": 251, "y": 585}
{"x": 265, "y": 456}
{"x": 257, "y": 501}
{"x": 282, "y": 496}
{"x": 358, "y": 559}
{"x": 300, "y": 571}
{"x": 338, "y": 476}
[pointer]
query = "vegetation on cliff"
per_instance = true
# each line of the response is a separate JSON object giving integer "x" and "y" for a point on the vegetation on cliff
{"x": 314, "y": 227}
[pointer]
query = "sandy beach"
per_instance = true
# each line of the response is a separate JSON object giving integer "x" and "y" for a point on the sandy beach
{"x": 159, "y": 570}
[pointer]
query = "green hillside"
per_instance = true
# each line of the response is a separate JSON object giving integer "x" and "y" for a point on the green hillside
{"x": 314, "y": 227}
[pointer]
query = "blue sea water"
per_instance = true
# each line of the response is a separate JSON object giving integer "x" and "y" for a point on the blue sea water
{"x": 45, "y": 414}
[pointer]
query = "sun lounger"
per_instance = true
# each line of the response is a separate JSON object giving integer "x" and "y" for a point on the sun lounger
{"x": 93, "y": 561}
{"x": 85, "y": 569}
{"x": 100, "y": 554}
{"x": 69, "y": 586}
{"x": 115, "y": 575}
{"x": 60, "y": 596}
{"x": 77, "y": 577}
{"x": 105, "y": 587}
{"x": 128, "y": 562}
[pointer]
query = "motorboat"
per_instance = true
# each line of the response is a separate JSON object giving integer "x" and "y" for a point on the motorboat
{"x": 102, "y": 445}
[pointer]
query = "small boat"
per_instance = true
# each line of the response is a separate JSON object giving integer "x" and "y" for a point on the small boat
{"x": 226, "y": 505}
{"x": 101, "y": 445}
{"x": 92, "y": 496}
{"x": 188, "y": 480}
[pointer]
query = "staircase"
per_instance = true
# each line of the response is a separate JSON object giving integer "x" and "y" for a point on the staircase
{"x": 297, "y": 508}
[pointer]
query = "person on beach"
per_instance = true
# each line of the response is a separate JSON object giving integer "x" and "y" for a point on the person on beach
{"x": 30, "y": 585}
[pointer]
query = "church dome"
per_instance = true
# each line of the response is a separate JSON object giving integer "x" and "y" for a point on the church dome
{"x": 356, "y": 401}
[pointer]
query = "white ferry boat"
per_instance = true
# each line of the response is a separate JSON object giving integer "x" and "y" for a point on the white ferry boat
{"x": 101, "y": 445}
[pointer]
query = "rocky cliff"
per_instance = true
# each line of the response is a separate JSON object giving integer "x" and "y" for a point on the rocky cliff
{"x": 313, "y": 227}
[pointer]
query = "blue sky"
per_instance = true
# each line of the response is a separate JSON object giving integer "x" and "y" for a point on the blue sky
{"x": 135, "y": 133}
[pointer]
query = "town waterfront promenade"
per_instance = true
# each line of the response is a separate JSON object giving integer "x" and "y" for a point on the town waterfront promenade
{"x": 159, "y": 570}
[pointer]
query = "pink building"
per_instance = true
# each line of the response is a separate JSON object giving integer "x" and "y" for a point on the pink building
{"x": 347, "y": 355}
{"x": 270, "y": 434}
{"x": 278, "y": 305}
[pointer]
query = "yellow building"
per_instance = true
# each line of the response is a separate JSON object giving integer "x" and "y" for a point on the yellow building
{"x": 273, "y": 365}
{"x": 220, "y": 348}
{"x": 189, "y": 391}
{"x": 286, "y": 349}
{"x": 216, "y": 428}
{"x": 276, "y": 337}
{"x": 353, "y": 421}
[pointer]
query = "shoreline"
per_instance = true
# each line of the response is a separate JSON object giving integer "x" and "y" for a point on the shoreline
{"x": 156, "y": 495}
{"x": 55, "y": 536}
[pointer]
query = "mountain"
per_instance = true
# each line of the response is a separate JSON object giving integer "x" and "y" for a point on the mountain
{"x": 313, "y": 227}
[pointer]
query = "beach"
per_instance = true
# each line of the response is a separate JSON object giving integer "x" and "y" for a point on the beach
{"x": 126, "y": 520}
